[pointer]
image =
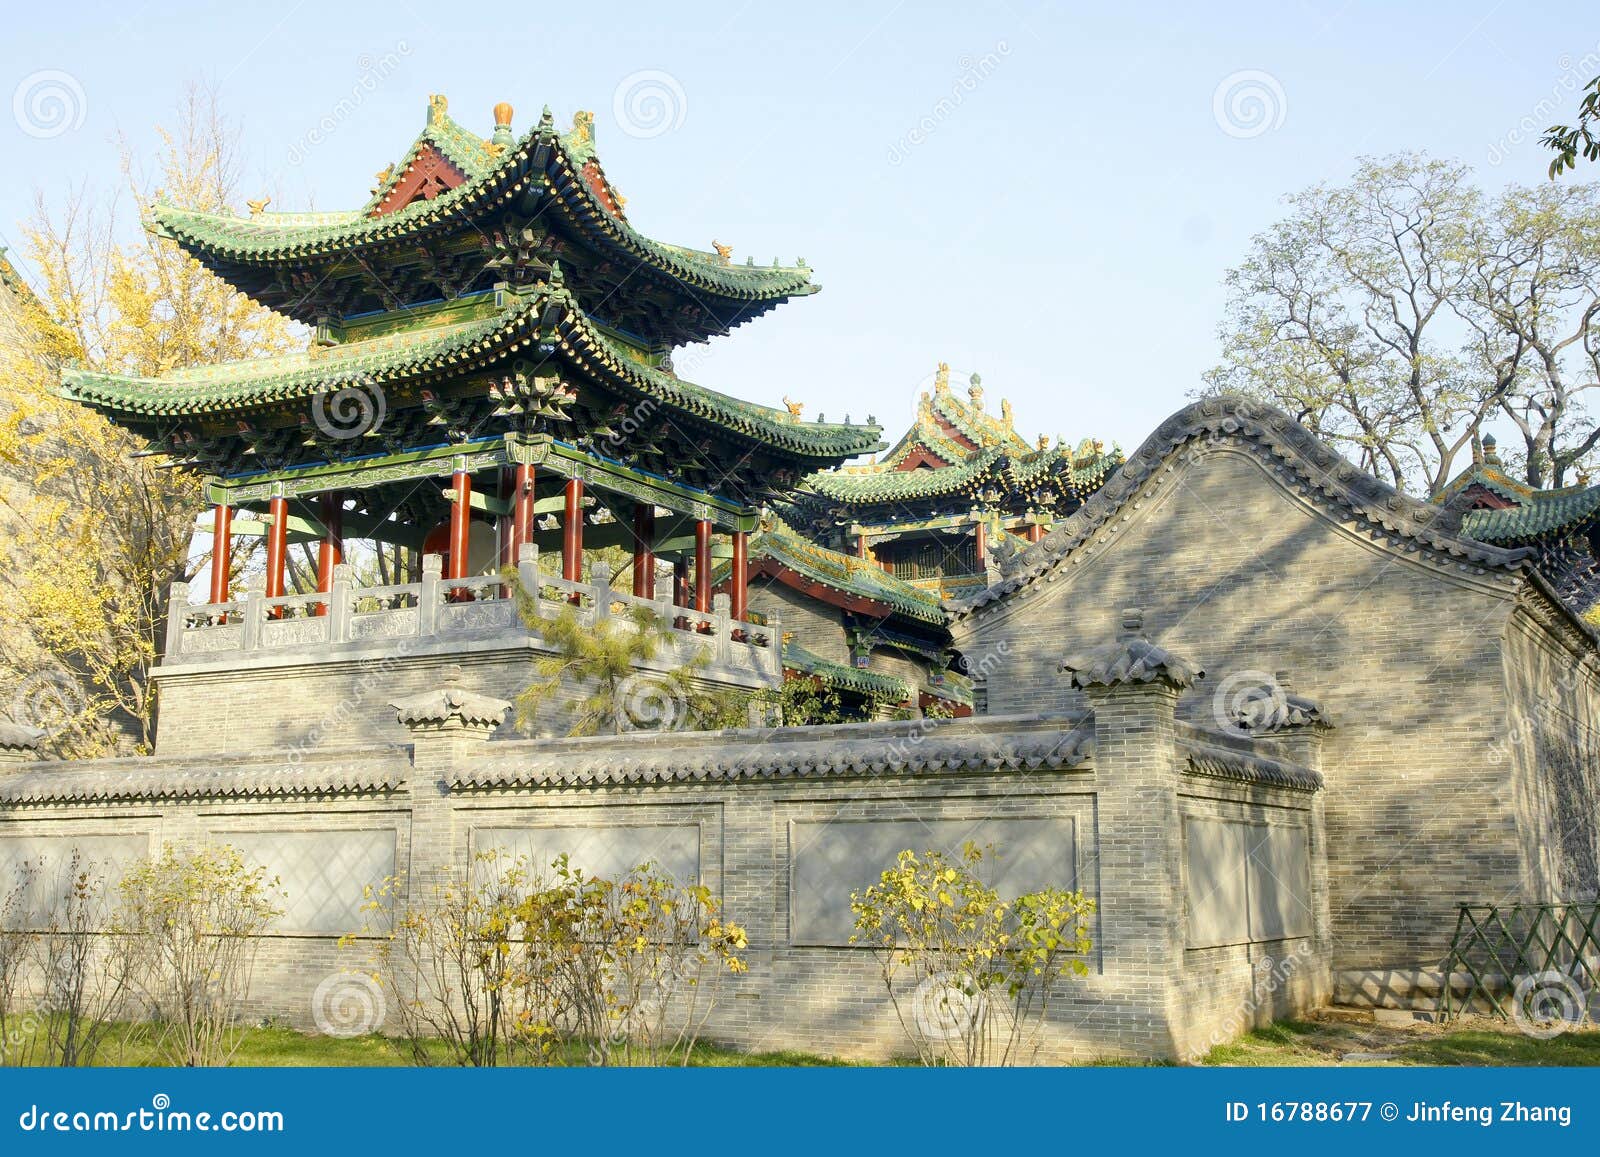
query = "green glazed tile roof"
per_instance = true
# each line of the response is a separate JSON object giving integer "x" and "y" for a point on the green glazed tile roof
{"x": 546, "y": 313}
{"x": 1083, "y": 469}
{"x": 845, "y": 573}
{"x": 1002, "y": 457}
{"x": 845, "y": 678}
{"x": 1545, "y": 513}
{"x": 542, "y": 159}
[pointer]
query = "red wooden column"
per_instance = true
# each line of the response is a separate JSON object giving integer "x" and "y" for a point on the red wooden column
{"x": 221, "y": 551}
{"x": 680, "y": 582}
{"x": 331, "y": 553}
{"x": 644, "y": 553}
{"x": 702, "y": 565}
{"x": 980, "y": 537}
{"x": 572, "y": 534}
{"x": 460, "y": 528}
{"x": 738, "y": 585}
{"x": 277, "y": 544}
{"x": 1035, "y": 532}
{"x": 521, "y": 509}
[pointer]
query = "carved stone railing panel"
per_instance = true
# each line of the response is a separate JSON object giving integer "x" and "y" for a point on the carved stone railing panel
{"x": 437, "y": 608}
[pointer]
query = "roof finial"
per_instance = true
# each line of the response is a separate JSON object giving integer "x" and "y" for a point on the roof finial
{"x": 502, "y": 124}
{"x": 723, "y": 251}
{"x": 437, "y": 104}
{"x": 1491, "y": 457}
{"x": 941, "y": 377}
{"x": 975, "y": 391}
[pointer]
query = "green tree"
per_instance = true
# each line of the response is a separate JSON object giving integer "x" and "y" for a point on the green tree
{"x": 1401, "y": 312}
{"x": 193, "y": 922}
{"x": 604, "y": 672}
{"x": 94, "y": 533}
{"x": 1568, "y": 141}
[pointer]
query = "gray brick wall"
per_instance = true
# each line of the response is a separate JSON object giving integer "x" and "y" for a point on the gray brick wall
{"x": 1420, "y": 667}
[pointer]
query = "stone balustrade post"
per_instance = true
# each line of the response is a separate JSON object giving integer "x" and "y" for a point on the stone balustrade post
{"x": 177, "y": 615}
{"x": 428, "y": 597}
{"x": 600, "y": 585}
{"x": 340, "y": 603}
{"x": 722, "y": 628}
{"x": 775, "y": 644}
{"x": 255, "y": 614}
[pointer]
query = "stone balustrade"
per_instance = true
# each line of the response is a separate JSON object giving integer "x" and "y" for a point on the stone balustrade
{"x": 440, "y": 609}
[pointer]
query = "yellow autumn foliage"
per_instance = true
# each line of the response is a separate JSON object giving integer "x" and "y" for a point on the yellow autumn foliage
{"x": 93, "y": 533}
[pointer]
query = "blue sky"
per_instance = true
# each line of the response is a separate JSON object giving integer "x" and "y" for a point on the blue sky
{"x": 1047, "y": 194}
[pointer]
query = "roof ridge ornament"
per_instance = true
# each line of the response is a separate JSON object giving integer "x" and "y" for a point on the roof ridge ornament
{"x": 1131, "y": 659}
{"x": 451, "y": 707}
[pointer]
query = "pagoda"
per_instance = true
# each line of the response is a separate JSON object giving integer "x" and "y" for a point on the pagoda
{"x": 1560, "y": 526}
{"x": 959, "y": 488}
{"x": 490, "y": 376}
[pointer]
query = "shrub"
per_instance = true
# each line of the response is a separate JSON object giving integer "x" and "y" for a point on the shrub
{"x": 970, "y": 976}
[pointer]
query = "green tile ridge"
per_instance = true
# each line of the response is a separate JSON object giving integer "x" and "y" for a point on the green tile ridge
{"x": 244, "y": 385}
{"x": 846, "y": 678}
{"x": 272, "y": 237}
{"x": 1544, "y": 514}
{"x": 846, "y": 573}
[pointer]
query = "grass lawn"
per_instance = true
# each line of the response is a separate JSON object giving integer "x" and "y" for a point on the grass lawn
{"x": 1341, "y": 1040}
{"x": 1332, "y": 1038}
